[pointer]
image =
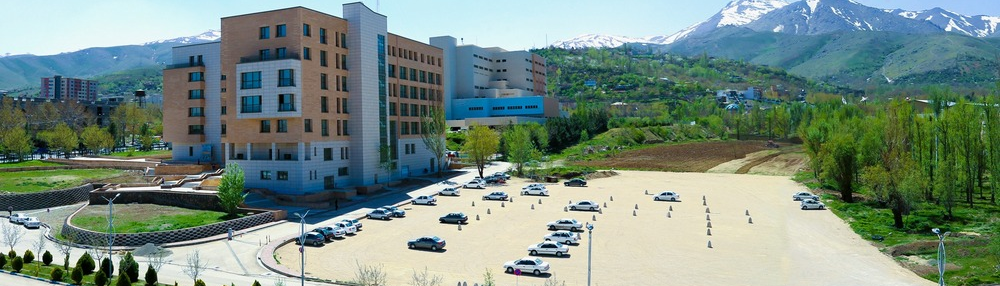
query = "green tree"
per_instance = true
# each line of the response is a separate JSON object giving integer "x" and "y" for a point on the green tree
{"x": 28, "y": 256}
{"x": 17, "y": 264}
{"x": 3, "y": 261}
{"x": 896, "y": 180}
{"x": 61, "y": 138}
{"x": 965, "y": 124}
{"x": 520, "y": 148}
{"x": 100, "y": 279}
{"x": 433, "y": 131}
{"x": 128, "y": 266}
{"x": 107, "y": 267}
{"x": 86, "y": 263}
{"x": 840, "y": 164}
{"x": 77, "y": 276}
{"x": 481, "y": 144}
{"x": 255, "y": 283}
{"x": 123, "y": 280}
{"x": 199, "y": 283}
{"x": 56, "y": 274}
{"x": 16, "y": 142}
{"x": 95, "y": 138}
{"x": 992, "y": 142}
{"x": 47, "y": 258}
{"x": 151, "y": 278}
{"x": 230, "y": 191}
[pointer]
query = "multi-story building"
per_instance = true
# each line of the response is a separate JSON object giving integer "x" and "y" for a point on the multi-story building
{"x": 62, "y": 88}
{"x": 493, "y": 86}
{"x": 305, "y": 101}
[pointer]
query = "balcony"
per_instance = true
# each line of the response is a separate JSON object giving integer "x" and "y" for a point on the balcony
{"x": 258, "y": 58}
{"x": 185, "y": 65}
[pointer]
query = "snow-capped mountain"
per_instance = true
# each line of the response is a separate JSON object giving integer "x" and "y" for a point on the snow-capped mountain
{"x": 814, "y": 17}
{"x": 737, "y": 13}
{"x": 210, "y": 35}
{"x": 976, "y": 26}
{"x": 597, "y": 41}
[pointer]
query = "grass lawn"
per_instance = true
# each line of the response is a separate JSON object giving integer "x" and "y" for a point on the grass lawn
{"x": 32, "y": 163}
{"x": 37, "y": 269}
{"x": 138, "y": 218}
{"x": 36, "y": 181}
{"x": 129, "y": 154}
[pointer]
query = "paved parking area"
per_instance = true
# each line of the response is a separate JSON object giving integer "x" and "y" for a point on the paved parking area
{"x": 783, "y": 245}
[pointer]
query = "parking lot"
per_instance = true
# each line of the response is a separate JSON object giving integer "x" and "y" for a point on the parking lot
{"x": 783, "y": 246}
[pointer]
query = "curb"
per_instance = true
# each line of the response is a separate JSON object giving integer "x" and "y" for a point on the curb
{"x": 35, "y": 278}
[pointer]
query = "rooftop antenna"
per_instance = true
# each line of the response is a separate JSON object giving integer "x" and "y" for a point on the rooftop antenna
{"x": 377, "y": 2}
{"x": 463, "y": 40}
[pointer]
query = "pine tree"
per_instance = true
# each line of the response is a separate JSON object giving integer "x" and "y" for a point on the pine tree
{"x": 86, "y": 264}
{"x": 56, "y": 274}
{"x": 28, "y": 256}
{"x": 77, "y": 276}
{"x": 151, "y": 276}
{"x": 100, "y": 279}
{"x": 46, "y": 258}
{"x": 107, "y": 267}
{"x": 123, "y": 281}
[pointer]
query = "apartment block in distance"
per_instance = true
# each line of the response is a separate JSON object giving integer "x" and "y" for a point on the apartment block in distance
{"x": 62, "y": 88}
{"x": 306, "y": 101}
{"x": 493, "y": 86}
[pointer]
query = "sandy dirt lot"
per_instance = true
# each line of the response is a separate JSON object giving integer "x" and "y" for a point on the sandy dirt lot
{"x": 686, "y": 157}
{"x": 783, "y": 246}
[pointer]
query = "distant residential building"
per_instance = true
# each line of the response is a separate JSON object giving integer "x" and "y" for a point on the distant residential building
{"x": 493, "y": 86}
{"x": 64, "y": 88}
{"x": 100, "y": 110}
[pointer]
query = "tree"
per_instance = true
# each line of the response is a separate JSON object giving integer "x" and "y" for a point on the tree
{"x": 230, "y": 190}
{"x": 369, "y": 275}
{"x": 40, "y": 246}
{"x": 840, "y": 164}
{"x": 57, "y": 275}
{"x": 150, "y": 276}
{"x": 520, "y": 148}
{"x": 123, "y": 280}
{"x": 17, "y": 264}
{"x": 65, "y": 249}
{"x": 195, "y": 266}
{"x": 425, "y": 279}
{"x": 47, "y": 258}
{"x": 100, "y": 279}
{"x": 488, "y": 278}
{"x": 966, "y": 127}
{"x": 86, "y": 263}
{"x": 433, "y": 131}
{"x": 77, "y": 276}
{"x": 255, "y": 283}
{"x": 16, "y": 142}
{"x": 3, "y": 261}
{"x": 107, "y": 267}
{"x": 481, "y": 144}
{"x": 11, "y": 235}
{"x": 95, "y": 138}
{"x": 28, "y": 256}
{"x": 896, "y": 180}
{"x": 128, "y": 266}
{"x": 198, "y": 283}
{"x": 61, "y": 138}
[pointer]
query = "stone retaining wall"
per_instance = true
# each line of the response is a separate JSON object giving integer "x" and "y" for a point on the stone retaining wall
{"x": 68, "y": 167}
{"x": 172, "y": 236}
{"x": 41, "y": 200}
{"x": 198, "y": 201}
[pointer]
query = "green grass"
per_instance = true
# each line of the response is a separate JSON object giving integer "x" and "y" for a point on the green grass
{"x": 44, "y": 180}
{"x": 133, "y": 153}
{"x": 37, "y": 269}
{"x": 139, "y": 218}
{"x": 32, "y": 163}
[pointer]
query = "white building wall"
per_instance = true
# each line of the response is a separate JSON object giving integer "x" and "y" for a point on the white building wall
{"x": 414, "y": 164}
{"x": 364, "y": 27}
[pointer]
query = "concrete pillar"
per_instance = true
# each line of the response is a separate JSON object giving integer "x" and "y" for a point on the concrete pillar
{"x": 302, "y": 151}
{"x": 274, "y": 150}
{"x": 249, "y": 151}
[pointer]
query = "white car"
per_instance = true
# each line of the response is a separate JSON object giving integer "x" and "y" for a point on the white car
{"x": 584, "y": 205}
{"x": 348, "y": 229}
{"x": 505, "y": 176}
{"x": 527, "y": 265}
{"x": 533, "y": 185}
{"x": 566, "y": 223}
{"x": 548, "y": 247}
{"x": 380, "y": 213}
{"x": 353, "y": 222}
{"x": 396, "y": 211}
{"x": 17, "y": 218}
{"x": 450, "y": 192}
{"x": 563, "y": 237}
{"x": 811, "y": 204}
{"x": 475, "y": 184}
{"x": 31, "y": 222}
{"x": 804, "y": 196}
{"x": 496, "y": 196}
{"x": 667, "y": 196}
{"x": 425, "y": 200}
{"x": 536, "y": 190}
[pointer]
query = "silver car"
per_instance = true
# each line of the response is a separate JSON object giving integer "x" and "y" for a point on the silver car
{"x": 804, "y": 196}
{"x": 347, "y": 227}
{"x": 396, "y": 211}
{"x": 548, "y": 248}
{"x": 566, "y": 223}
{"x": 811, "y": 204}
{"x": 667, "y": 196}
{"x": 380, "y": 213}
{"x": 450, "y": 192}
{"x": 496, "y": 196}
{"x": 564, "y": 237}
{"x": 528, "y": 265}
{"x": 584, "y": 205}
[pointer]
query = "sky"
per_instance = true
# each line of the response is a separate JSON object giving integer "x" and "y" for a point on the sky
{"x": 52, "y": 27}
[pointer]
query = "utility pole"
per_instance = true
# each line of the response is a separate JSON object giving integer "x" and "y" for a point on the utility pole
{"x": 111, "y": 224}
{"x": 302, "y": 244}
{"x": 590, "y": 248}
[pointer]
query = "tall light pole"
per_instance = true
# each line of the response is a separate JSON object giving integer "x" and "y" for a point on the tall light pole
{"x": 590, "y": 248}
{"x": 111, "y": 223}
{"x": 302, "y": 243}
{"x": 941, "y": 261}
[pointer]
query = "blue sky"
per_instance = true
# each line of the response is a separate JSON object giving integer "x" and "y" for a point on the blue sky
{"x": 50, "y": 27}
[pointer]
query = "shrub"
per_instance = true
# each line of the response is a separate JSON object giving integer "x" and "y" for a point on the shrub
{"x": 46, "y": 258}
{"x": 107, "y": 267}
{"x": 17, "y": 264}
{"x": 100, "y": 279}
{"x": 3, "y": 261}
{"x": 123, "y": 281}
{"x": 86, "y": 264}
{"x": 198, "y": 283}
{"x": 255, "y": 283}
{"x": 128, "y": 266}
{"x": 11, "y": 254}
{"x": 56, "y": 274}
{"x": 150, "y": 276}
{"x": 77, "y": 276}
{"x": 28, "y": 256}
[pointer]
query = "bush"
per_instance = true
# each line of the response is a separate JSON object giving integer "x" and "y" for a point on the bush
{"x": 123, "y": 281}
{"x": 100, "y": 279}
{"x": 17, "y": 264}
{"x": 86, "y": 264}
{"x": 11, "y": 254}
{"x": 150, "y": 276}
{"x": 3, "y": 261}
{"x": 56, "y": 274}
{"x": 77, "y": 276}
{"x": 255, "y": 283}
{"x": 28, "y": 256}
{"x": 128, "y": 266}
{"x": 107, "y": 267}
{"x": 46, "y": 258}
{"x": 198, "y": 283}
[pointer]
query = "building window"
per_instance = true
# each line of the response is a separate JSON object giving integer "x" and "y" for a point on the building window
{"x": 223, "y": 111}
{"x": 344, "y": 100}
{"x": 196, "y": 129}
{"x": 250, "y": 80}
{"x": 223, "y": 129}
{"x": 196, "y": 94}
{"x": 343, "y": 62}
{"x": 343, "y": 40}
{"x": 402, "y": 72}
{"x": 392, "y": 108}
{"x": 322, "y": 36}
{"x": 196, "y": 76}
{"x": 327, "y": 154}
{"x": 423, "y": 110}
{"x": 404, "y": 109}
{"x": 280, "y": 53}
{"x": 286, "y": 102}
{"x": 250, "y": 104}
{"x": 306, "y": 53}
{"x": 322, "y": 82}
{"x": 392, "y": 70}
{"x": 281, "y": 31}
{"x": 324, "y": 127}
{"x": 404, "y": 91}
{"x": 345, "y": 128}
{"x": 264, "y": 54}
{"x": 323, "y": 107}
{"x": 265, "y": 126}
{"x": 286, "y": 78}
{"x": 405, "y": 130}
{"x": 265, "y": 175}
{"x": 282, "y": 125}
{"x": 305, "y": 30}
{"x": 415, "y": 127}
{"x": 342, "y": 171}
{"x": 282, "y": 175}
{"x": 195, "y": 112}
{"x": 413, "y": 110}
{"x": 309, "y": 125}
{"x": 322, "y": 58}
{"x": 423, "y": 76}
{"x": 423, "y": 93}
{"x": 265, "y": 33}
{"x": 413, "y": 74}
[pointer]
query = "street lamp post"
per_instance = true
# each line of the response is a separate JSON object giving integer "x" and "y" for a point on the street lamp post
{"x": 302, "y": 244}
{"x": 941, "y": 260}
{"x": 590, "y": 248}
{"x": 111, "y": 223}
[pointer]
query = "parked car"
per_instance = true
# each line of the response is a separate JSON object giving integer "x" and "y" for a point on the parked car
{"x": 459, "y": 218}
{"x": 564, "y": 237}
{"x": 667, "y": 196}
{"x": 425, "y": 200}
{"x": 566, "y": 223}
{"x": 353, "y": 222}
{"x": 527, "y": 265}
{"x": 549, "y": 248}
{"x": 495, "y": 196}
{"x": 348, "y": 228}
{"x": 811, "y": 204}
{"x": 430, "y": 242}
{"x": 475, "y": 184}
{"x": 32, "y": 222}
{"x": 311, "y": 238}
{"x": 532, "y": 185}
{"x": 396, "y": 211}
{"x": 506, "y": 176}
{"x": 450, "y": 192}
{"x": 535, "y": 190}
{"x": 495, "y": 180}
{"x": 804, "y": 196}
{"x": 584, "y": 205}
{"x": 17, "y": 218}
{"x": 329, "y": 232}
{"x": 576, "y": 182}
{"x": 380, "y": 213}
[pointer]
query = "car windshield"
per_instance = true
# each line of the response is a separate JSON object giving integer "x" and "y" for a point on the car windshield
{"x": 538, "y": 261}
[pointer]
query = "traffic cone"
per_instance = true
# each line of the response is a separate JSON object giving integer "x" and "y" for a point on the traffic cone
{"x": 501, "y": 205}
{"x": 487, "y": 211}
{"x": 668, "y": 214}
{"x": 709, "y": 244}
{"x": 594, "y": 218}
{"x": 633, "y": 212}
{"x": 532, "y": 206}
{"x": 709, "y": 232}
{"x": 708, "y": 217}
{"x": 670, "y": 208}
{"x": 477, "y": 217}
{"x": 748, "y": 212}
{"x": 707, "y": 211}
{"x": 750, "y": 220}
{"x": 636, "y": 206}
{"x": 709, "y": 225}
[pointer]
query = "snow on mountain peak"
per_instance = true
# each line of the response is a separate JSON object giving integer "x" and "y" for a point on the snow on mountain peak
{"x": 208, "y": 36}
{"x": 739, "y": 13}
{"x": 597, "y": 41}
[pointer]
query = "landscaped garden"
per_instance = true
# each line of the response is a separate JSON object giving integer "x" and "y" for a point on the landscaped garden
{"x": 44, "y": 180}
{"x": 134, "y": 153}
{"x": 32, "y": 163}
{"x": 139, "y": 218}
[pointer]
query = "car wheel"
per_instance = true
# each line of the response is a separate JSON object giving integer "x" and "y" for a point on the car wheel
{"x": 316, "y": 243}
{"x": 552, "y": 227}
{"x": 803, "y": 207}
{"x": 440, "y": 220}
{"x": 572, "y": 208}
{"x": 547, "y": 239}
{"x": 572, "y": 229}
{"x": 410, "y": 246}
{"x": 385, "y": 218}
{"x": 537, "y": 272}
{"x": 568, "y": 242}
{"x": 656, "y": 198}
{"x": 673, "y": 199}
{"x": 559, "y": 253}
{"x": 593, "y": 208}
{"x": 434, "y": 247}
{"x": 534, "y": 252}
{"x": 369, "y": 216}
{"x": 524, "y": 193}
{"x": 822, "y": 207}
{"x": 510, "y": 269}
